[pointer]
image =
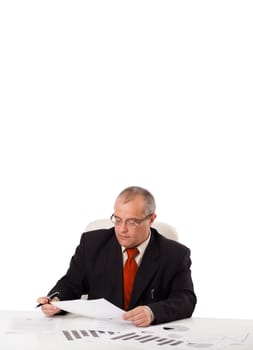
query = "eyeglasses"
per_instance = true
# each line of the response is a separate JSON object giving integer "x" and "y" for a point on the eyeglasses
{"x": 131, "y": 222}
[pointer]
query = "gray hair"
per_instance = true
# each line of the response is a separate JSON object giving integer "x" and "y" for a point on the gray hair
{"x": 131, "y": 192}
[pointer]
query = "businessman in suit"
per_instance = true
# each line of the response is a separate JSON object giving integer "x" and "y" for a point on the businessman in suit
{"x": 162, "y": 290}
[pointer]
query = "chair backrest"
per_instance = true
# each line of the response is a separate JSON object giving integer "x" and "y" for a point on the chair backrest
{"x": 162, "y": 227}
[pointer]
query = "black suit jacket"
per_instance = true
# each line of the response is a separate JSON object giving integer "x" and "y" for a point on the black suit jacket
{"x": 163, "y": 280}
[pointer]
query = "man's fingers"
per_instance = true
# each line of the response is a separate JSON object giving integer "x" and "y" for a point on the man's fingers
{"x": 47, "y": 308}
{"x": 139, "y": 316}
{"x": 50, "y": 310}
{"x": 42, "y": 300}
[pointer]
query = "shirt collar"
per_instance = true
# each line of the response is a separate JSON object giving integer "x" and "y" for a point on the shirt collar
{"x": 141, "y": 247}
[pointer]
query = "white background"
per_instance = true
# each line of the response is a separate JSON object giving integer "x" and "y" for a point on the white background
{"x": 100, "y": 95}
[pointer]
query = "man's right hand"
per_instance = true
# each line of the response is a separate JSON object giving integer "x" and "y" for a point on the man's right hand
{"x": 47, "y": 308}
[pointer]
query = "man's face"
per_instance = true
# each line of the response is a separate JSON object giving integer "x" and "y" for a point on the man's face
{"x": 129, "y": 232}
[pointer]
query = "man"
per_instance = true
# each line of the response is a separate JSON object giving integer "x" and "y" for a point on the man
{"x": 101, "y": 266}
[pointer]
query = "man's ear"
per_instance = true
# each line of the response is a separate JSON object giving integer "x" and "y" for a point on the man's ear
{"x": 152, "y": 218}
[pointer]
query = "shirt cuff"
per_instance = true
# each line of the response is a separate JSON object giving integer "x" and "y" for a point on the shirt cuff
{"x": 151, "y": 313}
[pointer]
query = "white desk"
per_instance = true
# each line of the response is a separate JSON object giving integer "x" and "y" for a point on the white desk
{"x": 30, "y": 330}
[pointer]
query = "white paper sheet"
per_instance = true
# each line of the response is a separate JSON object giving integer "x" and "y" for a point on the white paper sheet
{"x": 23, "y": 322}
{"x": 97, "y": 308}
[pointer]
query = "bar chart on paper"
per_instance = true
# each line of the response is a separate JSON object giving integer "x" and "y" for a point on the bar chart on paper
{"x": 85, "y": 333}
{"x": 147, "y": 338}
{"x": 144, "y": 339}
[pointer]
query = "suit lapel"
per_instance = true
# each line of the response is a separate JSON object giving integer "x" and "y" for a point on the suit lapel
{"x": 113, "y": 273}
{"x": 146, "y": 271}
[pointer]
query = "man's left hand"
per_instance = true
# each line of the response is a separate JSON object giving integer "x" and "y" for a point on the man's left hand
{"x": 140, "y": 316}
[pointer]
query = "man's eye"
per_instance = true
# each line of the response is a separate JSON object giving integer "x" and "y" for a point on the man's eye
{"x": 131, "y": 222}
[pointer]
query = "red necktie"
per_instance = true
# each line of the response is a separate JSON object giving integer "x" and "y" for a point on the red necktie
{"x": 130, "y": 269}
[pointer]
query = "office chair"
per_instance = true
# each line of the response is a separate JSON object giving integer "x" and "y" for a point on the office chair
{"x": 162, "y": 227}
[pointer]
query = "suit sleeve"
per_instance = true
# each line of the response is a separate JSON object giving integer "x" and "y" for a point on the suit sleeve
{"x": 181, "y": 300}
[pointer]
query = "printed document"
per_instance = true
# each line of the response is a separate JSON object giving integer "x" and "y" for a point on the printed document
{"x": 97, "y": 308}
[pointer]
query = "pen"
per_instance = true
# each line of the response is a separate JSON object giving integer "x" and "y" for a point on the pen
{"x": 50, "y": 297}
{"x": 152, "y": 293}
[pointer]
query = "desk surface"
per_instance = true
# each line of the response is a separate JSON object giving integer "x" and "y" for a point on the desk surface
{"x": 32, "y": 330}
